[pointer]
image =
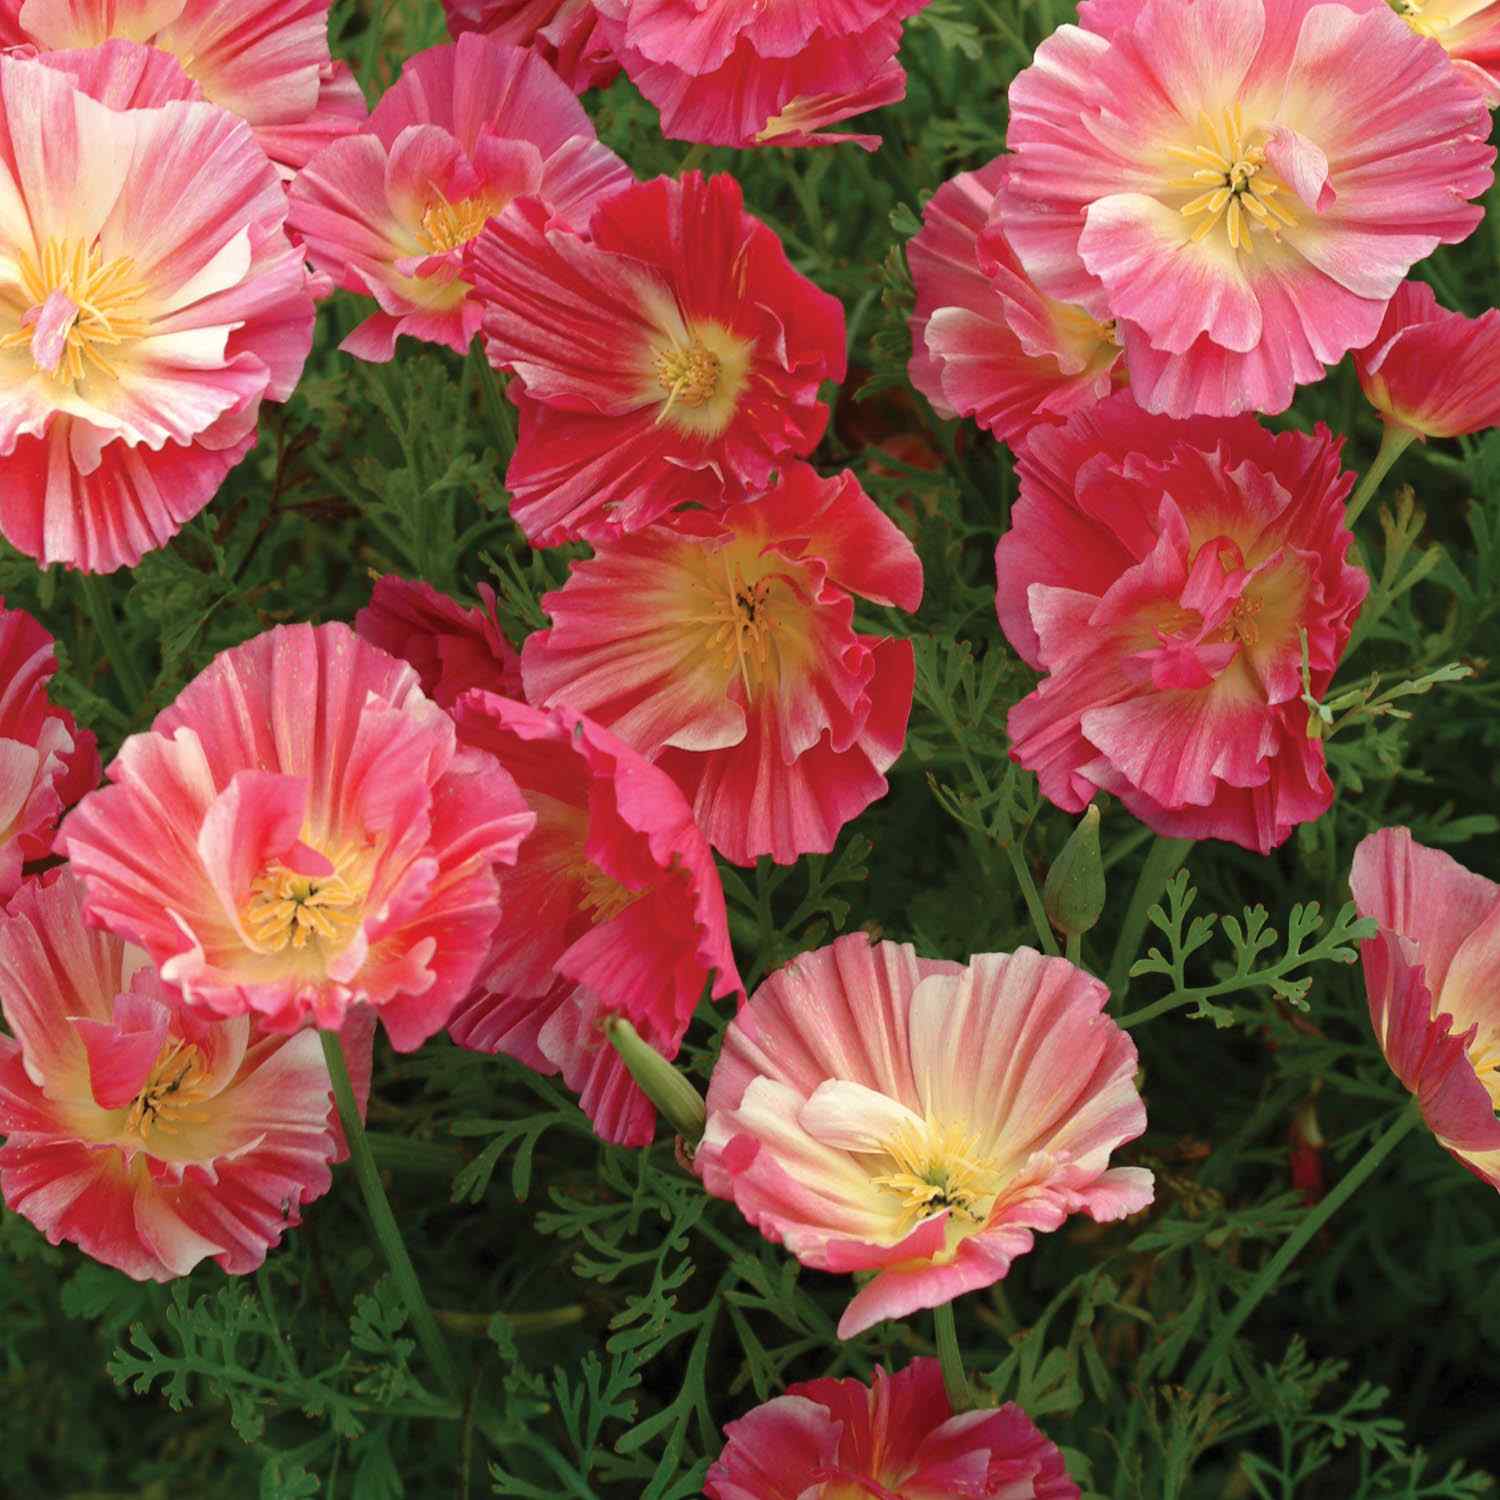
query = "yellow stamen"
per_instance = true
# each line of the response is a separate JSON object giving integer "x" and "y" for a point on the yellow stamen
{"x": 446, "y": 226}
{"x": 1231, "y": 185}
{"x": 689, "y": 376}
{"x": 742, "y": 622}
{"x": 173, "y": 1086}
{"x": 939, "y": 1165}
{"x": 287, "y": 907}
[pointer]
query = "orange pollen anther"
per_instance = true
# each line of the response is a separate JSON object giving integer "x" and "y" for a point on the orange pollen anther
{"x": 1241, "y": 624}
{"x": 742, "y": 622}
{"x": 1231, "y": 184}
{"x": 288, "y": 907}
{"x": 173, "y": 1086}
{"x": 446, "y": 226}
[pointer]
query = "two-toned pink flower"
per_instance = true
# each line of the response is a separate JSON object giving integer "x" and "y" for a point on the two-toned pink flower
{"x": 563, "y": 33}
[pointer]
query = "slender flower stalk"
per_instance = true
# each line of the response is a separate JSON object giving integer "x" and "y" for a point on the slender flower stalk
{"x": 1394, "y": 441}
{"x": 950, "y": 1355}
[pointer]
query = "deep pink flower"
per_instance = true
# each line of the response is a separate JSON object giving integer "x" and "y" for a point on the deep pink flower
{"x": 267, "y": 63}
{"x": 985, "y": 342}
{"x": 300, "y": 834}
{"x": 1432, "y": 976}
{"x": 46, "y": 761}
{"x": 1158, "y": 574}
{"x": 723, "y": 648}
{"x": 674, "y": 355}
{"x": 760, "y": 75}
{"x": 1430, "y": 370}
{"x": 146, "y": 1136}
{"x": 1240, "y": 185}
{"x": 465, "y": 129}
{"x": 898, "y": 1436}
{"x": 614, "y": 908}
{"x": 452, "y": 648}
{"x": 563, "y": 33}
{"x": 155, "y": 302}
{"x": 876, "y": 1111}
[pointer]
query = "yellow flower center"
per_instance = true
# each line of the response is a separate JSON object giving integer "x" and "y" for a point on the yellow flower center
{"x": 741, "y": 621}
{"x": 104, "y": 297}
{"x": 940, "y": 1165}
{"x": 1414, "y": 13}
{"x": 1241, "y": 624}
{"x": 1231, "y": 183}
{"x": 689, "y": 376}
{"x": 173, "y": 1087}
{"x": 446, "y": 226}
{"x": 287, "y": 907}
{"x": 1485, "y": 1059}
{"x": 560, "y": 843}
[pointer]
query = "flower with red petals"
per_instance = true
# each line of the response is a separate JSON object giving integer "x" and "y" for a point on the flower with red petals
{"x": 146, "y": 1136}
{"x": 465, "y": 129}
{"x": 722, "y": 647}
{"x": 985, "y": 342}
{"x": 614, "y": 908}
{"x": 1432, "y": 977}
{"x": 1239, "y": 185}
{"x": 300, "y": 834}
{"x": 760, "y": 75}
{"x": 876, "y": 1111}
{"x": 154, "y": 302}
{"x": 1160, "y": 575}
{"x": 897, "y": 1436}
{"x": 673, "y": 355}
{"x": 563, "y": 33}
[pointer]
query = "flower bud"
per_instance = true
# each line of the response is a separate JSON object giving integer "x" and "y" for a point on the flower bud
{"x": 1074, "y": 893}
{"x": 680, "y": 1104}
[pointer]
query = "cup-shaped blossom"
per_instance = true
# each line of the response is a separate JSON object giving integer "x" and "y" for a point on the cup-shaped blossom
{"x": 876, "y": 1111}
{"x": 1240, "y": 185}
{"x": 269, "y": 64}
{"x": 672, "y": 355}
{"x": 563, "y": 33}
{"x": 452, "y": 648}
{"x": 895, "y": 1436}
{"x": 614, "y": 908}
{"x": 1434, "y": 372}
{"x": 1160, "y": 574}
{"x": 465, "y": 129}
{"x": 152, "y": 301}
{"x": 985, "y": 342}
{"x": 301, "y": 833}
{"x": 147, "y": 1136}
{"x": 46, "y": 761}
{"x": 1432, "y": 978}
{"x": 758, "y": 75}
{"x": 722, "y": 647}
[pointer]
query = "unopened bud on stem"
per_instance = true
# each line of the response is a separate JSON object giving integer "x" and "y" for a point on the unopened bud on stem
{"x": 677, "y": 1100}
{"x": 1074, "y": 893}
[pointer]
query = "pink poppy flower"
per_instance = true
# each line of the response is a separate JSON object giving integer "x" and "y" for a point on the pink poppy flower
{"x": 723, "y": 648}
{"x": 452, "y": 648}
{"x": 1431, "y": 977}
{"x": 1240, "y": 185}
{"x": 269, "y": 64}
{"x": 465, "y": 129}
{"x": 758, "y": 75}
{"x": 155, "y": 302}
{"x": 563, "y": 33}
{"x": 46, "y": 761}
{"x": 1158, "y": 573}
{"x": 876, "y": 1111}
{"x": 614, "y": 908}
{"x": 149, "y": 1138}
{"x": 898, "y": 1436}
{"x": 985, "y": 342}
{"x": 674, "y": 355}
{"x": 300, "y": 834}
{"x": 1432, "y": 371}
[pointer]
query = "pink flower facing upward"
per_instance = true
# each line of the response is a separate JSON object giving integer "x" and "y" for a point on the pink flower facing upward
{"x": 563, "y": 33}
{"x": 153, "y": 301}
{"x": 722, "y": 647}
{"x": 149, "y": 1138}
{"x": 876, "y": 1111}
{"x": 838, "y": 1438}
{"x": 267, "y": 63}
{"x": 46, "y": 761}
{"x": 1434, "y": 372}
{"x": 673, "y": 355}
{"x": 1158, "y": 573}
{"x": 760, "y": 75}
{"x": 985, "y": 342}
{"x": 299, "y": 834}
{"x": 1432, "y": 975}
{"x": 388, "y": 212}
{"x": 614, "y": 908}
{"x": 1239, "y": 184}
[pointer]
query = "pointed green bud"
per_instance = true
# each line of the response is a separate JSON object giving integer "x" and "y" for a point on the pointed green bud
{"x": 678, "y": 1101}
{"x": 1074, "y": 892}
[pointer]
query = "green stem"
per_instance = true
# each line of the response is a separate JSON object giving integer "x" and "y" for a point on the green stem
{"x": 1275, "y": 1268}
{"x": 1032, "y": 898}
{"x": 121, "y": 662}
{"x": 1394, "y": 441}
{"x": 1162, "y": 863}
{"x": 955, "y": 1382}
{"x": 387, "y": 1231}
{"x": 1074, "y": 949}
